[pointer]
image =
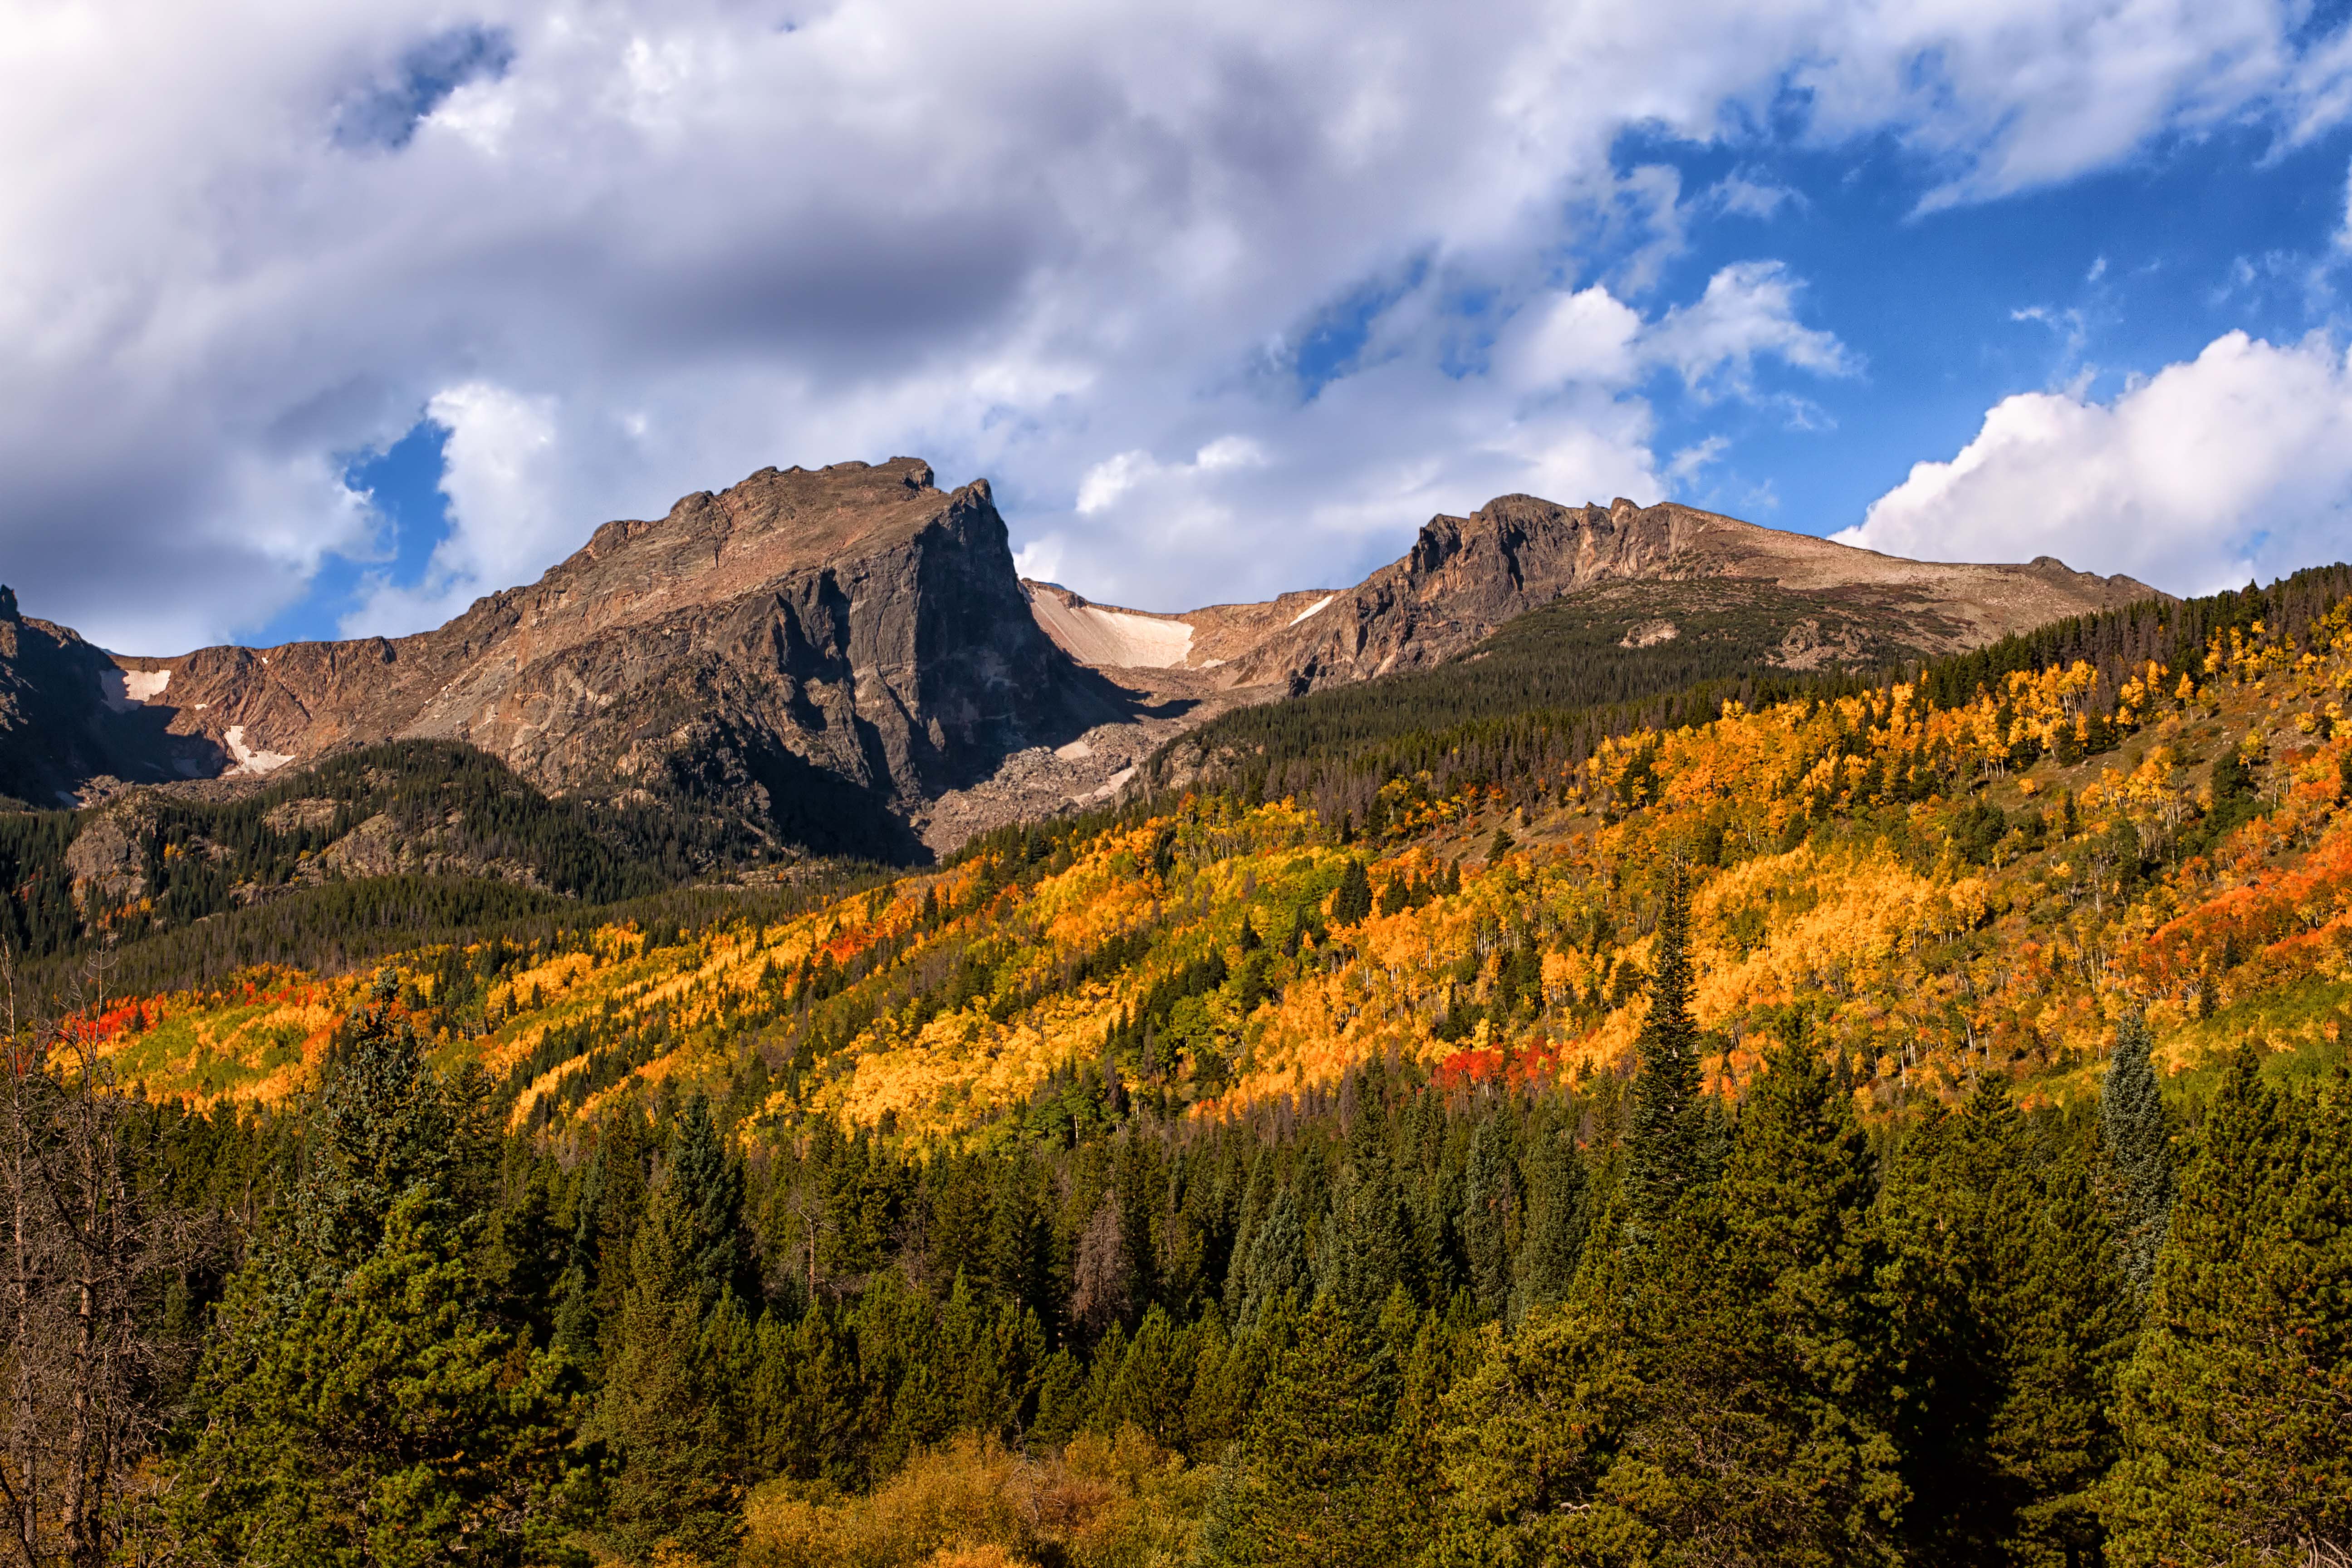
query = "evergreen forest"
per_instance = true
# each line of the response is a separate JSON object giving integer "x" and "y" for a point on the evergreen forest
{"x": 1898, "y": 1117}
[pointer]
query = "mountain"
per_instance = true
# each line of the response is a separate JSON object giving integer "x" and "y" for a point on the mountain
{"x": 824, "y": 652}
{"x": 1465, "y": 577}
{"x": 844, "y": 659}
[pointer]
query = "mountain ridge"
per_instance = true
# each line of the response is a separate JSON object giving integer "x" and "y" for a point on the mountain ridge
{"x": 844, "y": 659}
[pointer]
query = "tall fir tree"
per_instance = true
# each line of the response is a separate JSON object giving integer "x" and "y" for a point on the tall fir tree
{"x": 2012, "y": 1319}
{"x": 671, "y": 1416}
{"x": 1552, "y": 1242}
{"x": 1667, "y": 1139}
{"x": 2235, "y": 1409}
{"x": 363, "y": 1402}
{"x": 1309, "y": 1481}
{"x": 1761, "y": 1428}
{"x": 2137, "y": 1131}
{"x": 1353, "y": 901}
{"x": 1485, "y": 1219}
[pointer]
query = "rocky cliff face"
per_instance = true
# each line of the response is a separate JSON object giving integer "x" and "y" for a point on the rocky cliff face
{"x": 1465, "y": 577}
{"x": 844, "y": 658}
{"x": 828, "y": 650}
{"x": 69, "y": 714}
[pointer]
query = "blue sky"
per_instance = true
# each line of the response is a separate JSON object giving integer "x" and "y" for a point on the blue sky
{"x": 340, "y": 321}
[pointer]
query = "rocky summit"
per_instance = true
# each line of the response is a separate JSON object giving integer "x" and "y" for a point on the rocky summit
{"x": 844, "y": 659}
{"x": 1465, "y": 577}
{"x": 831, "y": 649}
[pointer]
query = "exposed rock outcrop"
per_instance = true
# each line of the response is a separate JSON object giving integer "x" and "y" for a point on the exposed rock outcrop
{"x": 1465, "y": 577}
{"x": 833, "y": 648}
{"x": 845, "y": 659}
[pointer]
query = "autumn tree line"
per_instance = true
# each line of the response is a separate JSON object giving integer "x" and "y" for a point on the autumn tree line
{"x": 1615, "y": 1320}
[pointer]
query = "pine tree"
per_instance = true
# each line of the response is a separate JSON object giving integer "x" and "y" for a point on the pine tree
{"x": 1667, "y": 1138}
{"x": 1486, "y": 1200}
{"x": 1553, "y": 1241}
{"x": 363, "y": 1402}
{"x": 668, "y": 1417}
{"x": 1274, "y": 1265}
{"x": 710, "y": 1179}
{"x": 2012, "y": 1319}
{"x": 1309, "y": 1481}
{"x": 1353, "y": 901}
{"x": 2138, "y": 1135}
{"x": 2235, "y": 1409}
{"x": 1530, "y": 1434}
{"x": 1759, "y": 1432}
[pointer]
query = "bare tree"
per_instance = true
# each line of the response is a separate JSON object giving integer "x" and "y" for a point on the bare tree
{"x": 86, "y": 1257}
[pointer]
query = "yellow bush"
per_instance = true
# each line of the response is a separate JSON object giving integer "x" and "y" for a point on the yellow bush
{"x": 1123, "y": 1502}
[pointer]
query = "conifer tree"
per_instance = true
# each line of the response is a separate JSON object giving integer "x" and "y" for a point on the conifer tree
{"x": 1666, "y": 1154}
{"x": 362, "y": 1404}
{"x": 2013, "y": 1319}
{"x": 710, "y": 1179}
{"x": 1274, "y": 1265}
{"x": 1487, "y": 1200}
{"x": 1529, "y": 1436}
{"x": 1555, "y": 1224}
{"x": 1309, "y": 1481}
{"x": 2235, "y": 1409}
{"x": 669, "y": 1417}
{"x": 1353, "y": 901}
{"x": 2138, "y": 1135}
{"x": 1759, "y": 1432}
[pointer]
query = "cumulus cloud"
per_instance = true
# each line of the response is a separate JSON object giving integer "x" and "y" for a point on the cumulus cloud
{"x": 1748, "y": 312}
{"x": 679, "y": 242}
{"x": 502, "y": 475}
{"x": 2234, "y": 465}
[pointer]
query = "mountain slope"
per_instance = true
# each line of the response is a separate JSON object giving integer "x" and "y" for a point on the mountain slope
{"x": 1465, "y": 577}
{"x": 1945, "y": 890}
{"x": 819, "y": 652}
{"x": 843, "y": 660}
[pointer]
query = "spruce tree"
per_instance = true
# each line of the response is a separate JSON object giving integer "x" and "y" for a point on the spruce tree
{"x": 710, "y": 1178}
{"x": 2138, "y": 1135}
{"x": 2012, "y": 1319}
{"x": 670, "y": 1417}
{"x": 2235, "y": 1407}
{"x": 1553, "y": 1239}
{"x": 1759, "y": 1432}
{"x": 1666, "y": 1154}
{"x": 1273, "y": 1265}
{"x": 1530, "y": 1435}
{"x": 1487, "y": 1202}
{"x": 1353, "y": 901}
{"x": 1309, "y": 1481}
{"x": 361, "y": 1402}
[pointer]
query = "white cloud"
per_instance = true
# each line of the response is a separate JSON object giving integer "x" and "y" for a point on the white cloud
{"x": 1749, "y": 310}
{"x": 502, "y": 474}
{"x": 1585, "y": 336}
{"x": 1747, "y": 195}
{"x": 1111, "y": 479}
{"x": 1013, "y": 240}
{"x": 2235, "y": 464}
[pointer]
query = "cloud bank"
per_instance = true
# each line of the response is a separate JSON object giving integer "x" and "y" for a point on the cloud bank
{"x": 2235, "y": 465}
{"x": 625, "y": 250}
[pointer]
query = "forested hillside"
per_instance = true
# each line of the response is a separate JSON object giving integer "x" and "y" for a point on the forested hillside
{"x": 1901, "y": 1122}
{"x": 416, "y": 835}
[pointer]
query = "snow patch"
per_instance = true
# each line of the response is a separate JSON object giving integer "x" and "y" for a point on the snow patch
{"x": 247, "y": 761}
{"x": 1092, "y": 634}
{"x": 125, "y": 691}
{"x": 1312, "y": 608}
{"x": 1106, "y": 789}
